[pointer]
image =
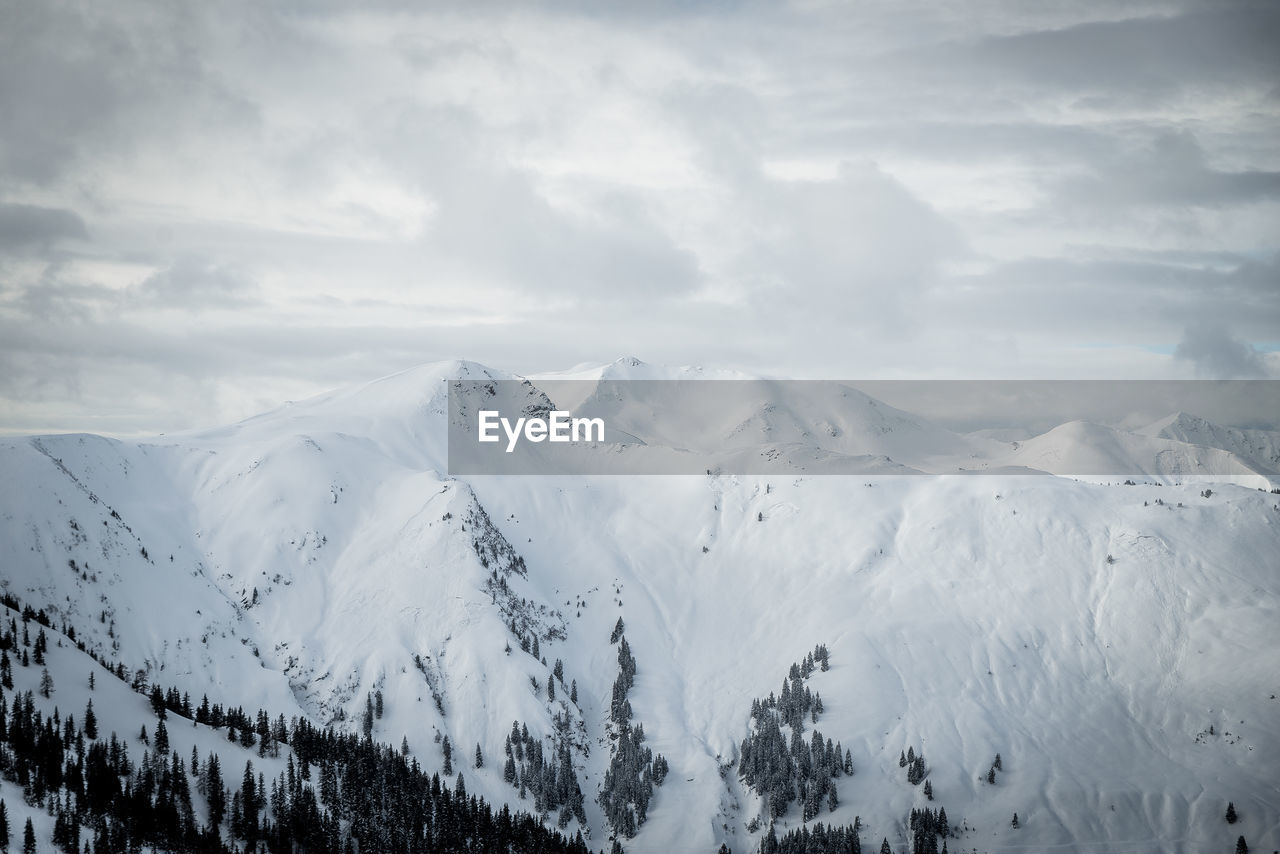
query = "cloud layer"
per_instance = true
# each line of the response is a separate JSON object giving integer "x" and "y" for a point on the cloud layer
{"x": 204, "y": 210}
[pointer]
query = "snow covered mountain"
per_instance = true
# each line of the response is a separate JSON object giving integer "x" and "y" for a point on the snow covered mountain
{"x": 1093, "y": 449}
{"x": 1115, "y": 645}
{"x": 1260, "y": 448}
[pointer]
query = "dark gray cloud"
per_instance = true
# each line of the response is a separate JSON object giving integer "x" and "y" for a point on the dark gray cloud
{"x": 1217, "y": 354}
{"x": 1171, "y": 170}
{"x": 26, "y": 227}
{"x": 54, "y": 91}
{"x": 81, "y": 81}
{"x": 194, "y": 283}
{"x": 1142, "y": 59}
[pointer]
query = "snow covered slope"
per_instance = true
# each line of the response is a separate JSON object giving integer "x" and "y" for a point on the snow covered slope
{"x": 1083, "y": 448}
{"x": 1089, "y": 634}
{"x": 1261, "y": 448}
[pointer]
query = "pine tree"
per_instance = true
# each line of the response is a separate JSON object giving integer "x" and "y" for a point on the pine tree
{"x": 29, "y": 839}
{"x": 928, "y": 789}
{"x": 448, "y": 756}
{"x": 991, "y": 774}
{"x": 551, "y": 688}
{"x": 215, "y": 792}
{"x": 884, "y": 847}
{"x": 249, "y": 795}
{"x": 1231, "y": 813}
{"x": 617, "y": 631}
{"x": 479, "y": 756}
{"x": 90, "y": 722}
{"x": 1014, "y": 823}
{"x": 46, "y": 683}
{"x": 162, "y": 739}
{"x": 573, "y": 692}
{"x": 4, "y": 827}
{"x": 1242, "y": 847}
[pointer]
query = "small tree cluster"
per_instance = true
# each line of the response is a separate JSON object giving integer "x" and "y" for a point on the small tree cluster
{"x": 786, "y": 768}
{"x": 915, "y": 767}
{"x": 628, "y": 782}
{"x": 996, "y": 765}
{"x": 548, "y": 775}
{"x": 926, "y": 827}
{"x": 619, "y": 707}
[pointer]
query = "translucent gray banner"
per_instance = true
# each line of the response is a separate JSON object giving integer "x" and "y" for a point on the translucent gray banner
{"x": 1150, "y": 429}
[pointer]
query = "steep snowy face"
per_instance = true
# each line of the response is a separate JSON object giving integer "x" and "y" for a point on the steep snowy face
{"x": 402, "y": 416}
{"x": 1259, "y": 448}
{"x": 1111, "y": 643}
{"x": 1094, "y": 632}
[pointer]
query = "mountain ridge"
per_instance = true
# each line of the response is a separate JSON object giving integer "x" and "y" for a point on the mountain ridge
{"x": 1060, "y": 623}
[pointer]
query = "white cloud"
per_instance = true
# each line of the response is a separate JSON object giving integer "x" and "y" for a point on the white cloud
{"x": 230, "y": 197}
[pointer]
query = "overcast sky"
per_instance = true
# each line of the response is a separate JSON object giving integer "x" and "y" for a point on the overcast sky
{"x": 208, "y": 208}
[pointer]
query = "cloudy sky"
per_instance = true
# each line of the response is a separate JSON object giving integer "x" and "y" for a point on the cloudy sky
{"x": 207, "y": 208}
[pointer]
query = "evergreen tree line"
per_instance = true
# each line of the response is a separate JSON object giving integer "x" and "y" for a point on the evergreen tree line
{"x": 633, "y": 769}
{"x": 821, "y": 839}
{"x": 368, "y": 798}
{"x": 619, "y": 706}
{"x": 241, "y": 727}
{"x": 551, "y": 780}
